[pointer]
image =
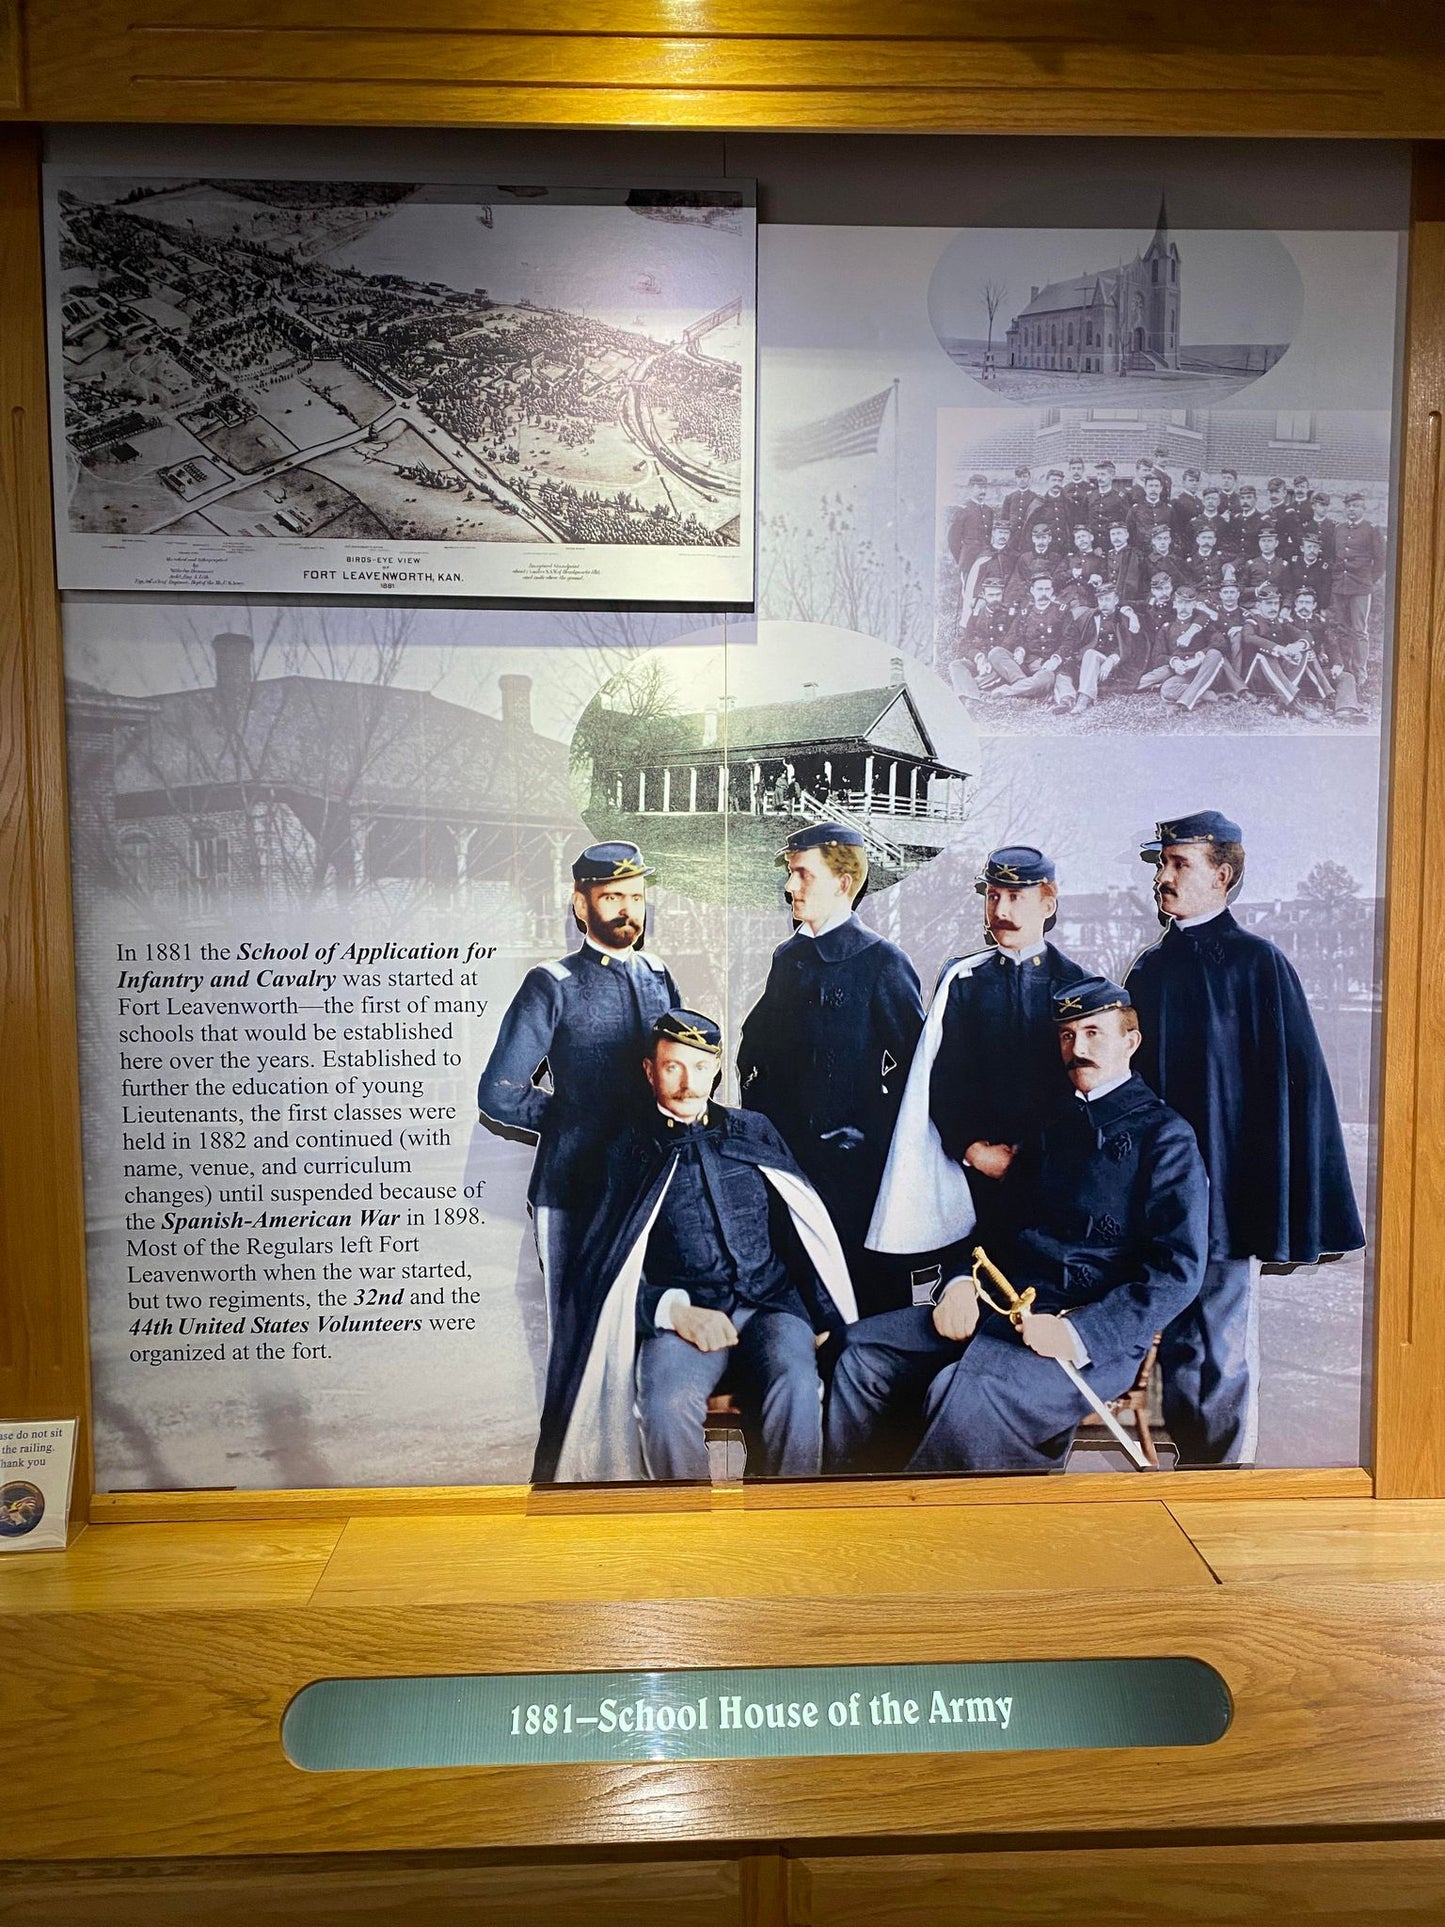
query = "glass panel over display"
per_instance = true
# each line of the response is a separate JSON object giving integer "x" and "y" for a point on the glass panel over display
{"x": 660, "y": 1041}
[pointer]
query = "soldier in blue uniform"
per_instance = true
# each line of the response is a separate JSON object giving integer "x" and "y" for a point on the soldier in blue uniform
{"x": 1108, "y": 1212}
{"x": 711, "y": 1255}
{"x": 582, "y": 1021}
{"x": 1230, "y": 1044}
{"x": 987, "y": 1069}
{"x": 826, "y": 1049}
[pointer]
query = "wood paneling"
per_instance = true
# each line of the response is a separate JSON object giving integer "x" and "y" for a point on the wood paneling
{"x": 157, "y": 1732}
{"x": 1358, "y": 1883}
{"x": 1279, "y": 67}
{"x": 772, "y": 1556}
{"x": 1371, "y": 1883}
{"x": 1292, "y": 1542}
{"x": 12, "y": 82}
{"x": 375, "y": 1891}
{"x": 106, "y": 1571}
{"x": 43, "y": 1360}
{"x": 844, "y": 1495}
{"x": 1410, "y": 1241}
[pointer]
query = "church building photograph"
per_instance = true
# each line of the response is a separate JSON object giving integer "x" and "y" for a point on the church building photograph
{"x": 1047, "y": 314}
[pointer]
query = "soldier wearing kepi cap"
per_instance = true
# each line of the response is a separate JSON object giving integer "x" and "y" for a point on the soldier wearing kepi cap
{"x": 1104, "y": 1220}
{"x": 987, "y": 1068}
{"x": 1230, "y": 1044}
{"x": 711, "y": 1255}
{"x": 826, "y": 1049}
{"x": 582, "y": 1020}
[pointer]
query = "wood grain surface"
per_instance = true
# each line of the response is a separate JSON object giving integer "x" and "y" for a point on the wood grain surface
{"x": 1410, "y": 1327}
{"x": 1379, "y": 1883}
{"x": 829, "y": 1495}
{"x": 158, "y": 1732}
{"x": 43, "y": 1358}
{"x": 773, "y": 1556}
{"x": 375, "y": 1890}
{"x": 1289, "y": 1542}
{"x": 1278, "y": 67}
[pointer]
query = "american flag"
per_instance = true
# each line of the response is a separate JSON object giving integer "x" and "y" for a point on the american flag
{"x": 852, "y": 431}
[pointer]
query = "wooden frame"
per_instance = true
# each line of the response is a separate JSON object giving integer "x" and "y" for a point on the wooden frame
{"x": 783, "y": 65}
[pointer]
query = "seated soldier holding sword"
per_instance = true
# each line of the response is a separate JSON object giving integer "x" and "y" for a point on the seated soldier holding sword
{"x": 1105, "y": 1239}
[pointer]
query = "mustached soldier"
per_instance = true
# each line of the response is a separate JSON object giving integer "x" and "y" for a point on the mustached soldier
{"x": 987, "y": 1069}
{"x": 711, "y": 1255}
{"x": 1106, "y": 1209}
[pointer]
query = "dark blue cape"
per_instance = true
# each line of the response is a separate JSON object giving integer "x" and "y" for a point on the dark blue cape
{"x": 824, "y": 1054}
{"x": 639, "y": 1162}
{"x": 1229, "y": 1043}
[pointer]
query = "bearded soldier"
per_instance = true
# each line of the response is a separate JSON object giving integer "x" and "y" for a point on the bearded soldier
{"x": 581, "y": 1021}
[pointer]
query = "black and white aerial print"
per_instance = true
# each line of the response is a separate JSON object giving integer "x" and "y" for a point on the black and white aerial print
{"x": 354, "y": 387}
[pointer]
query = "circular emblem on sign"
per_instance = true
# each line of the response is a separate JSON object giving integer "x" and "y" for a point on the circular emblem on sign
{"x": 22, "y": 1507}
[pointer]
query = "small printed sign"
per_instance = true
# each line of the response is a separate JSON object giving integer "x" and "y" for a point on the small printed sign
{"x": 764, "y": 1712}
{"x": 36, "y": 1459}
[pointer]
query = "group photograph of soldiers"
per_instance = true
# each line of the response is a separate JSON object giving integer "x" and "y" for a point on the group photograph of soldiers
{"x": 886, "y": 1229}
{"x": 1138, "y": 592}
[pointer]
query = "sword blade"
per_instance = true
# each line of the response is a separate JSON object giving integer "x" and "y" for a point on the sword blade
{"x": 1097, "y": 1405}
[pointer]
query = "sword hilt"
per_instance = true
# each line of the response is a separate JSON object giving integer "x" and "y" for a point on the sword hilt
{"x": 1018, "y": 1303}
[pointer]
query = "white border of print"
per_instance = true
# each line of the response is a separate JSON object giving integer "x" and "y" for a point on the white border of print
{"x": 358, "y": 569}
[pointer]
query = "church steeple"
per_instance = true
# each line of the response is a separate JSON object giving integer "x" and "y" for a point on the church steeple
{"x": 1160, "y": 243}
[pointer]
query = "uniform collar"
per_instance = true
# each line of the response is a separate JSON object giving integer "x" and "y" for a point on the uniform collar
{"x": 623, "y": 958}
{"x": 1017, "y": 957}
{"x": 1197, "y": 923}
{"x": 1215, "y": 925}
{"x": 1101, "y": 1091}
{"x": 835, "y": 922}
{"x": 838, "y": 941}
{"x": 672, "y": 1128}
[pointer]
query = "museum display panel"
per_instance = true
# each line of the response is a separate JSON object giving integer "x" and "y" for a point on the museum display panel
{"x": 458, "y": 1479}
{"x": 1045, "y": 562}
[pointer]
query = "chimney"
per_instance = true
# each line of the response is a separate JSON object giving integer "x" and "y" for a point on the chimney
{"x": 709, "y": 729}
{"x": 516, "y": 704}
{"x": 810, "y": 689}
{"x": 896, "y": 665}
{"x": 235, "y": 672}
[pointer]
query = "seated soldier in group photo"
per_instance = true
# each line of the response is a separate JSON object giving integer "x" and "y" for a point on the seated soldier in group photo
{"x": 1102, "y": 1227}
{"x": 1034, "y": 562}
{"x": 711, "y": 1256}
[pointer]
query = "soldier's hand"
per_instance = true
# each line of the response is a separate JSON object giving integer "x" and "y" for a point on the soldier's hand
{"x": 710, "y": 1331}
{"x": 847, "y": 1137}
{"x": 992, "y": 1159}
{"x": 1051, "y": 1337}
{"x": 956, "y": 1313}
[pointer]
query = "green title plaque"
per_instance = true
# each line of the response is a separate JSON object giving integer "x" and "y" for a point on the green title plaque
{"x": 755, "y": 1712}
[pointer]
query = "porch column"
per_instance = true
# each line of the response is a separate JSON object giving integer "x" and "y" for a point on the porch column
{"x": 913, "y": 791}
{"x": 755, "y": 780}
{"x": 893, "y": 787}
{"x": 722, "y": 789}
{"x": 692, "y": 791}
{"x": 868, "y": 784}
{"x": 641, "y": 791}
{"x": 667, "y": 789}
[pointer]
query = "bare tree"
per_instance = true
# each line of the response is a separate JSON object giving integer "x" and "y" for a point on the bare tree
{"x": 995, "y": 293}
